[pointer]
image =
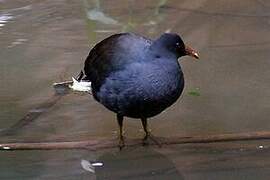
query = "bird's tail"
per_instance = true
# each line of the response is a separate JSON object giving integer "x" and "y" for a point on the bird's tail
{"x": 80, "y": 76}
{"x": 80, "y": 83}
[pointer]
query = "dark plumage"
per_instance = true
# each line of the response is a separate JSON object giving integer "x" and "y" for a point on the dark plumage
{"x": 136, "y": 77}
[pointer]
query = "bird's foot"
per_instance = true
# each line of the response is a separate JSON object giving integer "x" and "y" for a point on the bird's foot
{"x": 154, "y": 139}
{"x": 121, "y": 144}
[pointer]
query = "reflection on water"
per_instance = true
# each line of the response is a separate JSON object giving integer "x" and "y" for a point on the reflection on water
{"x": 138, "y": 163}
{"x": 60, "y": 165}
{"x": 43, "y": 42}
{"x": 4, "y": 18}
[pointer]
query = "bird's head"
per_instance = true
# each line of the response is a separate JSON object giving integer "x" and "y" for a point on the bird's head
{"x": 174, "y": 44}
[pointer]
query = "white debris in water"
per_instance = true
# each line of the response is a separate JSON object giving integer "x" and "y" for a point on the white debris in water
{"x": 97, "y": 164}
{"x": 17, "y": 42}
{"x": 97, "y": 15}
{"x": 83, "y": 86}
{"x": 4, "y": 18}
{"x": 6, "y": 147}
{"x": 86, "y": 165}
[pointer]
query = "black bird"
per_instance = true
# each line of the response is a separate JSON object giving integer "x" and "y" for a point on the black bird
{"x": 136, "y": 77}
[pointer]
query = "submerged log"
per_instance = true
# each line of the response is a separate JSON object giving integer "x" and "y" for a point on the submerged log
{"x": 113, "y": 143}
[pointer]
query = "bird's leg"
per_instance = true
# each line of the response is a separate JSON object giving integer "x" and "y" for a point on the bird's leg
{"x": 145, "y": 128}
{"x": 121, "y": 137}
{"x": 148, "y": 134}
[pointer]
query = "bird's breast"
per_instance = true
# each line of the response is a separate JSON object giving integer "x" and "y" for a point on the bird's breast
{"x": 141, "y": 91}
{"x": 163, "y": 86}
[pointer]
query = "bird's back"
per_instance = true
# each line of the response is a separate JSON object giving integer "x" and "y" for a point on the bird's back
{"x": 113, "y": 54}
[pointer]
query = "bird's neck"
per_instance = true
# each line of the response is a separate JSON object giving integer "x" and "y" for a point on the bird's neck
{"x": 159, "y": 51}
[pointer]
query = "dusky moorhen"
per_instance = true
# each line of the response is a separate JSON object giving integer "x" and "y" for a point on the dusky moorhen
{"x": 135, "y": 76}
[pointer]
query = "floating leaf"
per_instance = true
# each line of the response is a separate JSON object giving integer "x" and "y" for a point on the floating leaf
{"x": 194, "y": 92}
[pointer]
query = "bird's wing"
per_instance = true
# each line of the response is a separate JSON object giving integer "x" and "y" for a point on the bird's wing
{"x": 113, "y": 54}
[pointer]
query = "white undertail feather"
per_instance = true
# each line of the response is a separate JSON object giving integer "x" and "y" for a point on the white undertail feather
{"x": 83, "y": 86}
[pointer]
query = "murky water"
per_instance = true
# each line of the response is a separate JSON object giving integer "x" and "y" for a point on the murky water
{"x": 43, "y": 42}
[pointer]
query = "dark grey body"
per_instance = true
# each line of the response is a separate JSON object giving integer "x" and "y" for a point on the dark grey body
{"x": 132, "y": 78}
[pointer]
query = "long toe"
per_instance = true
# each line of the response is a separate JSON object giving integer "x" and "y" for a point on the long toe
{"x": 154, "y": 139}
{"x": 121, "y": 144}
{"x": 145, "y": 140}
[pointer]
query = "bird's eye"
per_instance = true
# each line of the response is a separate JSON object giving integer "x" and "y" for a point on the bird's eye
{"x": 178, "y": 45}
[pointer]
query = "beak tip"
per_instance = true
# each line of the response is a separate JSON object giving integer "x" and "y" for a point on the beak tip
{"x": 191, "y": 52}
{"x": 196, "y": 55}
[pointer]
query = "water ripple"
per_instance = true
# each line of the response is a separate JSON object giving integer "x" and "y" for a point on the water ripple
{"x": 4, "y": 18}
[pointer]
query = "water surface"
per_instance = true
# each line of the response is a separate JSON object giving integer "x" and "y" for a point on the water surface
{"x": 227, "y": 91}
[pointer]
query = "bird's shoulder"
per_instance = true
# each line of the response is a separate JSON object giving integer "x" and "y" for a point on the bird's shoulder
{"x": 116, "y": 51}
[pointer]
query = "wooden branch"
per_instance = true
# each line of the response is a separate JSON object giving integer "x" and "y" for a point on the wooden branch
{"x": 113, "y": 143}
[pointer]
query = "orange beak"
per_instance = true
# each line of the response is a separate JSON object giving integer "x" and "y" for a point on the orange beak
{"x": 191, "y": 52}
